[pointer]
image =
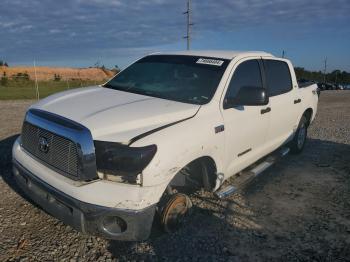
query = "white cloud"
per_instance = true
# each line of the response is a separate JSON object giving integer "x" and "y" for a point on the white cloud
{"x": 101, "y": 2}
{"x": 26, "y": 27}
{"x": 54, "y": 31}
{"x": 7, "y": 24}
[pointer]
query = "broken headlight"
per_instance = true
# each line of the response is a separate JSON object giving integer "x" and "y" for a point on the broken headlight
{"x": 122, "y": 163}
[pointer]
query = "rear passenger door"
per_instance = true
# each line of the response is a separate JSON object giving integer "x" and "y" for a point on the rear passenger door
{"x": 283, "y": 102}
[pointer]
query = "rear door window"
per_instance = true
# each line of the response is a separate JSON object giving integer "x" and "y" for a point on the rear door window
{"x": 278, "y": 77}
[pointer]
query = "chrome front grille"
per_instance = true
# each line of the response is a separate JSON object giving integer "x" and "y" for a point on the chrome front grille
{"x": 52, "y": 149}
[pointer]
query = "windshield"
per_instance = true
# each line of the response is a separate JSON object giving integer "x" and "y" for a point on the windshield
{"x": 185, "y": 79}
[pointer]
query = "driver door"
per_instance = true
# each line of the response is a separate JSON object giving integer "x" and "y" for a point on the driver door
{"x": 246, "y": 127}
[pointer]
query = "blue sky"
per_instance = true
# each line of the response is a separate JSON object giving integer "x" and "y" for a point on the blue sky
{"x": 115, "y": 32}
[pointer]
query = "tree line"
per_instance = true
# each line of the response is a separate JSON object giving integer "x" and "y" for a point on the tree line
{"x": 335, "y": 77}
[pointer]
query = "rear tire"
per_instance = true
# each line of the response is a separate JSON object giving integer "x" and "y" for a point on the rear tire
{"x": 297, "y": 144}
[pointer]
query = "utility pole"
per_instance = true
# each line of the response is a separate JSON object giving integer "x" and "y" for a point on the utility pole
{"x": 283, "y": 53}
{"x": 325, "y": 70}
{"x": 336, "y": 77}
{"x": 36, "y": 83}
{"x": 189, "y": 24}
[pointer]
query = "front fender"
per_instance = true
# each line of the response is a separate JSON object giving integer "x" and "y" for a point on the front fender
{"x": 182, "y": 143}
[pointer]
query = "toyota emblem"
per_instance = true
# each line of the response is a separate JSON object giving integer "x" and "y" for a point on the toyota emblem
{"x": 43, "y": 144}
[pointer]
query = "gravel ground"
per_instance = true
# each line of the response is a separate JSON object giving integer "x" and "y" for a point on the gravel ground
{"x": 298, "y": 210}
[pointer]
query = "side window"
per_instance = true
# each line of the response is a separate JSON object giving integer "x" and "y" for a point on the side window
{"x": 246, "y": 75}
{"x": 278, "y": 77}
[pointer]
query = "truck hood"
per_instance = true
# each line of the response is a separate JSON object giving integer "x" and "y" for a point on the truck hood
{"x": 113, "y": 115}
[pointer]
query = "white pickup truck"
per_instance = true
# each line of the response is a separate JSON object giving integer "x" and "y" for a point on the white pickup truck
{"x": 107, "y": 159}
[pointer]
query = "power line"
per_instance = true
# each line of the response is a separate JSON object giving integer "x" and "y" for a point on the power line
{"x": 188, "y": 14}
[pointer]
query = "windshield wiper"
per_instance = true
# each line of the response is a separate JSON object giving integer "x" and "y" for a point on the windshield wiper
{"x": 144, "y": 92}
{"x": 108, "y": 85}
{"x": 116, "y": 87}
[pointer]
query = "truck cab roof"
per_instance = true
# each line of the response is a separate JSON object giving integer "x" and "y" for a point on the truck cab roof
{"x": 223, "y": 54}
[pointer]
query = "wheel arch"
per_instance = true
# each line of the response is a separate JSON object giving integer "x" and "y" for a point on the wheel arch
{"x": 206, "y": 172}
{"x": 308, "y": 113}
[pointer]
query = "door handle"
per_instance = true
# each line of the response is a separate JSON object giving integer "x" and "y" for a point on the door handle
{"x": 266, "y": 110}
{"x": 297, "y": 101}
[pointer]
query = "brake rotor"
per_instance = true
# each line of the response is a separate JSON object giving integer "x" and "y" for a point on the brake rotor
{"x": 174, "y": 212}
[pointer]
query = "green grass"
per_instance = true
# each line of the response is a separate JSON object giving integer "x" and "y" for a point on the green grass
{"x": 25, "y": 89}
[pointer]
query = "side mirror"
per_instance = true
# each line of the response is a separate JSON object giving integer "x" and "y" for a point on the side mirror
{"x": 248, "y": 96}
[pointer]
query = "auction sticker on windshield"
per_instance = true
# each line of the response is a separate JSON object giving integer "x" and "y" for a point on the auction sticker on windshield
{"x": 208, "y": 61}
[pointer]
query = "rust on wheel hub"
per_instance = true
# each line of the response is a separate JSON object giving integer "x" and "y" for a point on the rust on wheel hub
{"x": 174, "y": 212}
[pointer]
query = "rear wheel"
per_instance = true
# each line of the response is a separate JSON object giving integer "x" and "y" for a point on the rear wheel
{"x": 298, "y": 142}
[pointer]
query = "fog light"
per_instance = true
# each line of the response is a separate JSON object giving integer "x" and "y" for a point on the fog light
{"x": 114, "y": 225}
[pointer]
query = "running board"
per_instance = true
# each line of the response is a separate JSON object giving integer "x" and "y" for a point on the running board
{"x": 249, "y": 174}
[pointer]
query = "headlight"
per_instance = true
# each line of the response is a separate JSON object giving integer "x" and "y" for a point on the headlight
{"x": 122, "y": 163}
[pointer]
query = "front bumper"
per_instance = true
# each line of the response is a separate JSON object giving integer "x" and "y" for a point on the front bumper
{"x": 88, "y": 218}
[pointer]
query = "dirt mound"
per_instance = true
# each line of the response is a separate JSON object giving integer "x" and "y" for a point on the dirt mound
{"x": 48, "y": 73}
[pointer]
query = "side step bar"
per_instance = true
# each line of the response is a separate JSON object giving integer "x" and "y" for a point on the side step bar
{"x": 251, "y": 173}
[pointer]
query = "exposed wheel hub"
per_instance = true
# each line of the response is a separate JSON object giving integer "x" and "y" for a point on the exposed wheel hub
{"x": 175, "y": 211}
